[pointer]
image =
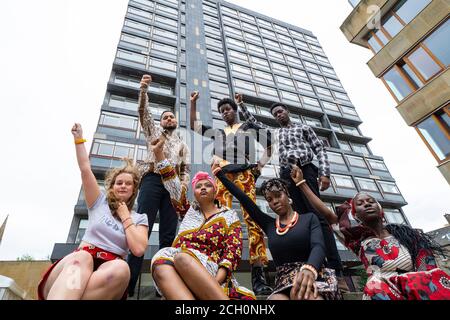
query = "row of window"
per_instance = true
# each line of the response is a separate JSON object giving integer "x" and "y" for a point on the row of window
{"x": 135, "y": 83}
{"x": 435, "y": 131}
{"x": 121, "y": 102}
{"x": 150, "y": 31}
{"x": 358, "y": 162}
{"x": 145, "y": 61}
{"x": 394, "y": 21}
{"x": 421, "y": 64}
{"x": 149, "y": 17}
{"x": 147, "y": 46}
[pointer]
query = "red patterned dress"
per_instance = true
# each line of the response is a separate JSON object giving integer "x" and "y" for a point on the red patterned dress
{"x": 390, "y": 268}
{"x": 214, "y": 242}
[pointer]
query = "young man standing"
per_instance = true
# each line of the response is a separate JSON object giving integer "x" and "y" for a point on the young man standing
{"x": 153, "y": 197}
{"x": 234, "y": 149}
{"x": 298, "y": 143}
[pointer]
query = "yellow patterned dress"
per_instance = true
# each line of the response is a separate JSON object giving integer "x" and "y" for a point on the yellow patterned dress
{"x": 214, "y": 242}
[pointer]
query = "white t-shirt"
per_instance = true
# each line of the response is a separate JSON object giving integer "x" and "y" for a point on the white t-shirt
{"x": 105, "y": 231}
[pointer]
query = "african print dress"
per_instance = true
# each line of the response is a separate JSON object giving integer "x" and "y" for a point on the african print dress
{"x": 392, "y": 273}
{"x": 214, "y": 242}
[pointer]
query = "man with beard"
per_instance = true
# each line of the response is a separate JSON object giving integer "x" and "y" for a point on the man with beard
{"x": 297, "y": 145}
{"x": 153, "y": 197}
{"x": 235, "y": 151}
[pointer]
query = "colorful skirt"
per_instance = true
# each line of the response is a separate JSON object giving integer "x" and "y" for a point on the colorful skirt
{"x": 327, "y": 284}
{"x": 420, "y": 285}
{"x": 100, "y": 256}
{"x": 230, "y": 287}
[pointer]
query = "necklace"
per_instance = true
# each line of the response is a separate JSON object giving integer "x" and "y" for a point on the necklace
{"x": 282, "y": 231}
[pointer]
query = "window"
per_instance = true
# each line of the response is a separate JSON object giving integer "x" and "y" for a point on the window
{"x": 289, "y": 96}
{"x": 259, "y": 61}
{"x": 271, "y": 44}
{"x": 248, "y": 17}
{"x": 166, "y": 9}
{"x": 351, "y": 130}
{"x": 293, "y": 61}
{"x": 397, "y": 83}
{"x": 127, "y": 81}
{"x": 317, "y": 78}
{"x": 264, "y": 23}
{"x": 424, "y": 64}
{"x": 219, "y": 87}
{"x": 408, "y": 9}
{"x": 280, "y": 67}
{"x": 266, "y": 32}
{"x": 392, "y": 25}
{"x": 275, "y": 54}
{"x": 140, "y": 13}
{"x": 166, "y": 21}
{"x": 235, "y": 42}
{"x": 306, "y": 54}
{"x": 288, "y": 49}
{"x": 254, "y": 38}
{"x": 263, "y": 75}
{"x": 122, "y": 102}
{"x": 313, "y": 122}
{"x": 297, "y": 34}
{"x": 233, "y": 31}
{"x": 330, "y": 106}
{"x": 241, "y": 69}
{"x": 435, "y": 130}
{"x": 217, "y": 71}
{"x": 253, "y": 48}
{"x": 267, "y": 91}
{"x": 137, "y": 25}
{"x": 214, "y": 55}
{"x": 285, "y": 38}
{"x": 389, "y": 187}
{"x": 335, "y": 83}
{"x": 135, "y": 40}
{"x": 322, "y": 60}
{"x": 335, "y": 158}
{"x": 299, "y": 73}
{"x": 310, "y": 65}
{"x": 349, "y": 111}
{"x": 356, "y": 162}
{"x": 367, "y": 184}
{"x": 285, "y": 81}
{"x": 304, "y": 86}
{"x": 165, "y": 34}
{"x": 229, "y": 11}
{"x": 112, "y": 149}
{"x": 327, "y": 70}
{"x": 374, "y": 44}
{"x": 249, "y": 26}
{"x": 301, "y": 44}
{"x": 360, "y": 148}
{"x": 377, "y": 165}
{"x": 280, "y": 29}
{"x": 242, "y": 57}
{"x": 336, "y": 127}
{"x": 324, "y": 92}
{"x": 131, "y": 56}
{"x": 82, "y": 226}
{"x": 147, "y": 3}
{"x": 244, "y": 85}
{"x": 310, "y": 101}
{"x": 394, "y": 216}
{"x": 163, "y": 64}
{"x": 437, "y": 43}
{"x": 345, "y": 145}
{"x": 164, "y": 48}
{"x": 117, "y": 120}
{"x": 311, "y": 39}
{"x": 343, "y": 181}
{"x": 213, "y": 42}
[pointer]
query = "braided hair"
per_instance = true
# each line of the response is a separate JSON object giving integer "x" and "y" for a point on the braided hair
{"x": 414, "y": 240}
{"x": 274, "y": 185}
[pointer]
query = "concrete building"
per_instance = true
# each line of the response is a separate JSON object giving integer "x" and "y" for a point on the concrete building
{"x": 219, "y": 49}
{"x": 410, "y": 42}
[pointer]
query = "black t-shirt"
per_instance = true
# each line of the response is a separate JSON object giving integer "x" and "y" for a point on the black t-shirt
{"x": 302, "y": 243}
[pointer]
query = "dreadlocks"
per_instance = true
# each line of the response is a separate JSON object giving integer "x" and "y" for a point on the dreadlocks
{"x": 414, "y": 240}
{"x": 274, "y": 185}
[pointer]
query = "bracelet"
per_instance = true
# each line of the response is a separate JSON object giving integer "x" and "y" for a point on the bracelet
{"x": 310, "y": 268}
{"x": 216, "y": 170}
{"x": 123, "y": 221}
{"x": 131, "y": 224}
{"x": 79, "y": 141}
{"x": 300, "y": 183}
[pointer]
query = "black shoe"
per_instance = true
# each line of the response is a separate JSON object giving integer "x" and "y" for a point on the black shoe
{"x": 259, "y": 282}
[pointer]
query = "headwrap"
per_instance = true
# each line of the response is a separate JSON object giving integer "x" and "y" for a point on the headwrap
{"x": 201, "y": 175}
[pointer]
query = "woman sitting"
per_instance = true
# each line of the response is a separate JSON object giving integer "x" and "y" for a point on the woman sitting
{"x": 295, "y": 242}
{"x": 97, "y": 269}
{"x": 208, "y": 246}
{"x": 398, "y": 259}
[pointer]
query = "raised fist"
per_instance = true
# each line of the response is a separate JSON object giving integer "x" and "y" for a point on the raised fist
{"x": 146, "y": 80}
{"x": 77, "y": 131}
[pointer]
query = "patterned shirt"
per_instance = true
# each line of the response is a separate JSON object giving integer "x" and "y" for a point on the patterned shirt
{"x": 297, "y": 143}
{"x": 175, "y": 150}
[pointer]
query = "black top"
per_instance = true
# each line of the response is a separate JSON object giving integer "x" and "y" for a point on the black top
{"x": 302, "y": 243}
{"x": 238, "y": 148}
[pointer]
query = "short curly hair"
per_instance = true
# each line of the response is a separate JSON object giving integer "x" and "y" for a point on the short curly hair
{"x": 229, "y": 101}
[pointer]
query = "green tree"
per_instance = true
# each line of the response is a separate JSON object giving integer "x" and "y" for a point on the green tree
{"x": 25, "y": 257}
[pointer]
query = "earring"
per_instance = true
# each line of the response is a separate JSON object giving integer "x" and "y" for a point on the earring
{"x": 290, "y": 201}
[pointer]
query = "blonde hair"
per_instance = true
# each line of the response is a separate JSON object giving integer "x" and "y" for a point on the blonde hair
{"x": 110, "y": 180}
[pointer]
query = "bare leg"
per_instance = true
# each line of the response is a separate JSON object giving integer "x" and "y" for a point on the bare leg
{"x": 198, "y": 279}
{"x": 170, "y": 283}
{"x": 69, "y": 278}
{"x": 108, "y": 282}
{"x": 279, "y": 296}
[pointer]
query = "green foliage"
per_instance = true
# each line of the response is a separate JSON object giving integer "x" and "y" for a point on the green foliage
{"x": 362, "y": 274}
{"x": 25, "y": 257}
